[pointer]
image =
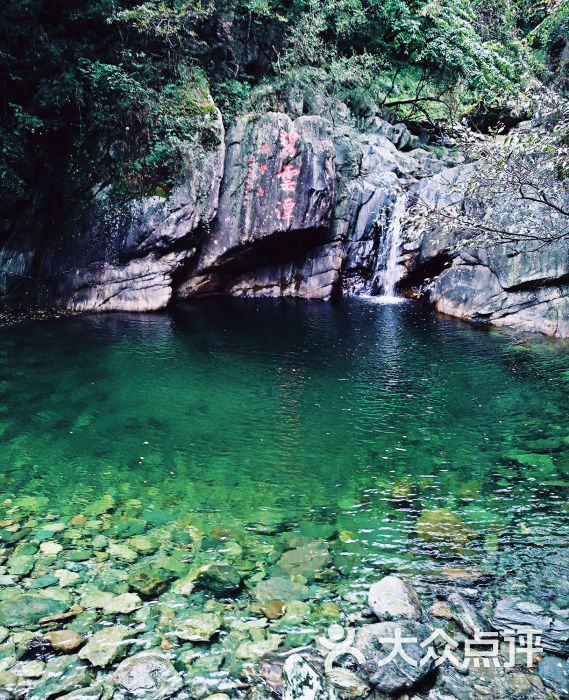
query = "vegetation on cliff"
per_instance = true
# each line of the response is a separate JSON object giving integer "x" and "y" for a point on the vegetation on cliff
{"x": 111, "y": 92}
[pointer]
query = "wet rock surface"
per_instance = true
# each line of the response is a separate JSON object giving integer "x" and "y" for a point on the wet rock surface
{"x": 289, "y": 206}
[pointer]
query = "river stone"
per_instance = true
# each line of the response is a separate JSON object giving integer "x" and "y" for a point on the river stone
{"x": 273, "y": 609}
{"x": 219, "y": 579}
{"x": 150, "y": 582}
{"x": 306, "y": 560}
{"x": 510, "y": 613}
{"x": 397, "y": 675}
{"x": 95, "y": 598}
{"x": 31, "y": 669}
{"x": 62, "y": 675}
{"x": 43, "y": 581}
{"x": 122, "y": 551}
{"x": 392, "y": 598}
{"x": 122, "y": 604}
{"x": 64, "y": 640}
{"x": 467, "y": 616}
{"x": 106, "y": 645}
{"x": 79, "y": 554}
{"x": 93, "y": 692}
{"x": 106, "y": 503}
{"x": 50, "y": 548}
{"x": 148, "y": 676}
{"x": 28, "y": 609}
{"x": 198, "y": 628}
{"x": 66, "y": 577}
{"x": 554, "y": 672}
{"x": 258, "y": 648}
{"x": 347, "y": 683}
{"x": 445, "y": 529}
{"x": 21, "y": 565}
{"x": 280, "y": 589}
{"x": 301, "y": 681}
{"x": 144, "y": 544}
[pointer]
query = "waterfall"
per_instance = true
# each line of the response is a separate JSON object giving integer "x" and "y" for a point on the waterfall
{"x": 388, "y": 272}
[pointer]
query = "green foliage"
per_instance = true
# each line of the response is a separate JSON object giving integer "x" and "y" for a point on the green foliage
{"x": 116, "y": 91}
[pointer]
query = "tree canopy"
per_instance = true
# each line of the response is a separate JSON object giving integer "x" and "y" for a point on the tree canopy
{"x": 95, "y": 91}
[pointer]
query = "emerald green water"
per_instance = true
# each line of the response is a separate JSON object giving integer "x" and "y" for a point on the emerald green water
{"x": 258, "y": 419}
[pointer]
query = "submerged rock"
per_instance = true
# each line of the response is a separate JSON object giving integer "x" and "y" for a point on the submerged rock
{"x": 392, "y": 598}
{"x": 65, "y": 640}
{"x": 148, "y": 675}
{"x": 28, "y": 609}
{"x": 106, "y": 645}
{"x": 306, "y": 560}
{"x": 219, "y": 579}
{"x": 348, "y": 684}
{"x": 280, "y": 589}
{"x": 199, "y": 627}
{"x": 302, "y": 682}
{"x": 445, "y": 529}
{"x": 273, "y": 609}
{"x": 62, "y": 675}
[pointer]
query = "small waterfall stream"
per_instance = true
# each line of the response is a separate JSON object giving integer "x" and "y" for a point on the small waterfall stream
{"x": 388, "y": 272}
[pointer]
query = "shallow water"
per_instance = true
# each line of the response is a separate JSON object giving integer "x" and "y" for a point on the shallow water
{"x": 263, "y": 418}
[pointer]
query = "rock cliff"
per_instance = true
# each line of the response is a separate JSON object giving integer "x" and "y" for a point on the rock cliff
{"x": 291, "y": 207}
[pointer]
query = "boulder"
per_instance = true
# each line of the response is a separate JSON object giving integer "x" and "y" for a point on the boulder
{"x": 554, "y": 672}
{"x": 467, "y": 616}
{"x": 148, "y": 675}
{"x": 392, "y": 598}
{"x": 397, "y": 675}
{"x": 275, "y": 209}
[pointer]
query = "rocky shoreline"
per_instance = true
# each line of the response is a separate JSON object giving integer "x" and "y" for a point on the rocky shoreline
{"x": 108, "y": 604}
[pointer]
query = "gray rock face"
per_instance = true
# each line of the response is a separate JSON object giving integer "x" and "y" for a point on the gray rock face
{"x": 393, "y": 598}
{"x": 398, "y": 674}
{"x": 521, "y": 285}
{"x": 554, "y": 673}
{"x": 466, "y": 615}
{"x": 148, "y": 675}
{"x": 287, "y": 208}
{"x": 275, "y": 208}
{"x": 511, "y": 613}
{"x": 111, "y": 257}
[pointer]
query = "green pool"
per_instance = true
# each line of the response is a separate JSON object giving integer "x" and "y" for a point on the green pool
{"x": 231, "y": 431}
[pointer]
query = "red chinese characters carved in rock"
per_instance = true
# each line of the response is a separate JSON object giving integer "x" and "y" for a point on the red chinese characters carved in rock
{"x": 287, "y": 142}
{"x": 287, "y": 177}
{"x": 286, "y": 212}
